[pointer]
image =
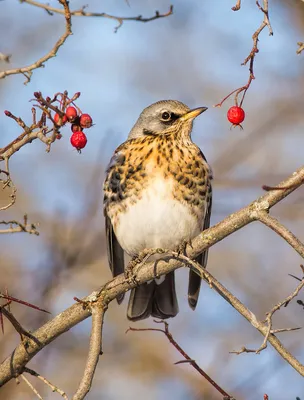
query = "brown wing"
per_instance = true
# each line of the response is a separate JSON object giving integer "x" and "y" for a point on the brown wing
{"x": 115, "y": 253}
{"x": 111, "y": 190}
{"x": 194, "y": 279}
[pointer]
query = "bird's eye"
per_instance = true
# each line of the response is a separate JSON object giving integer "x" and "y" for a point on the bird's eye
{"x": 166, "y": 116}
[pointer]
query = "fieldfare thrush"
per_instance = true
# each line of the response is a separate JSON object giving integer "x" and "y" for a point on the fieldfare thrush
{"x": 157, "y": 194}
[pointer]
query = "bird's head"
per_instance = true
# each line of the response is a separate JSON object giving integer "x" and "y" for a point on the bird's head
{"x": 165, "y": 117}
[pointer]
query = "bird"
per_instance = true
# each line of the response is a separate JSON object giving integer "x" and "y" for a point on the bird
{"x": 157, "y": 194}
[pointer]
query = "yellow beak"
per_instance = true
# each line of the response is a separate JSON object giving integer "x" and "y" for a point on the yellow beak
{"x": 193, "y": 113}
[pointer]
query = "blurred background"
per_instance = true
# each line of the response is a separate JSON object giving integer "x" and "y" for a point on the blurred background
{"x": 193, "y": 56}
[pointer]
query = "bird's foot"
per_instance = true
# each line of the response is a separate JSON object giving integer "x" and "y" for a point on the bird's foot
{"x": 181, "y": 248}
{"x": 134, "y": 265}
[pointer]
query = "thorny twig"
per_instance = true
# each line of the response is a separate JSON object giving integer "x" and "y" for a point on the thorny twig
{"x": 82, "y": 13}
{"x": 251, "y": 57}
{"x": 25, "y": 303}
{"x": 27, "y": 71}
{"x": 183, "y": 353}
{"x": 268, "y": 321}
{"x": 20, "y": 227}
{"x": 47, "y": 382}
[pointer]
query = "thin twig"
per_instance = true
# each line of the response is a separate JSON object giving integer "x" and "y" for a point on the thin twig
{"x": 82, "y": 13}
{"x": 20, "y": 227}
{"x": 251, "y": 57}
{"x": 268, "y": 321}
{"x": 27, "y": 71}
{"x": 31, "y": 386}
{"x": 47, "y": 382}
{"x": 183, "y": 353}
{"x": 282, "y": 231}
{"x": 95, "y": 350}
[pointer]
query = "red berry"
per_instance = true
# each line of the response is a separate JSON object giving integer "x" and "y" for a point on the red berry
{"x": 86, "y": 121}
{"x": 64, "y": 119}
{"x": 236, "y": 115}
{"x": 71, "y": 113}
{"x": 78, "y": 140}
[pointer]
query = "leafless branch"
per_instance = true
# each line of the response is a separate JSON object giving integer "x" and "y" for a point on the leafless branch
{"x": 82, "y": 13}
{"x": 95, "y": 350}
{"x": 27, "y": 71}
{"x": 184, "y": 354}
{"x": 282, "y": 231}
{"x": 268, "y": 321}
{"x": 15, "y": 363}
{"x": 31, "y": 386}
{"x": 47, "y": 382}
{"x": 251, "y": 57}
{"x": 19, "y": 227}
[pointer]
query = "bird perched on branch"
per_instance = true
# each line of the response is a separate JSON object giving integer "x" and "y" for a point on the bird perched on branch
{"x": 157, "y": 194}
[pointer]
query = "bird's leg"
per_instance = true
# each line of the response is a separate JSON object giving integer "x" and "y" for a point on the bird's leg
{"x": 138, "y": 261}
{"x": 135, "y": 263}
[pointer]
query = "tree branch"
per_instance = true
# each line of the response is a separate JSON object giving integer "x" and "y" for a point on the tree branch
{"x": 20, "y": 227}
{"x": 82, "y": 13}
{"x": 95, "y": 350}
{"x": 47, "y": 382}
{"x": 27, "y": 71}
{"x": 282, "y": 231}
{"x": 15, "y": 363}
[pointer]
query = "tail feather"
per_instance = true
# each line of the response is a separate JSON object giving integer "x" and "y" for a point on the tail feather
{"x": 195, "y": 281}
{"x": 160, "y": 301}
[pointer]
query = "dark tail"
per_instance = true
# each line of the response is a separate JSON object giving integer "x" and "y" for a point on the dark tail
{"x": 152, "y": 299}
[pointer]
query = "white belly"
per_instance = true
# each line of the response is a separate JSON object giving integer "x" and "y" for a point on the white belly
{"x": 156, "y": 220}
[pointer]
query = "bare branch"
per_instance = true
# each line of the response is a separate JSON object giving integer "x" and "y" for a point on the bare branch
{"x": 47, "y": 382}
{"x": 184, "y": 354}
{"x": 82, "y": 13}
{"x": 15, "y": 363}
{"x": 268, "y": 321}
{"x": 95, "y": 350}
{"x": 282, "y": 231}
{"x": 31, "y": 386}
{"x": 20, "y": 227}
{"x": 252, "y": 54}
{"x": 27, "y": 71}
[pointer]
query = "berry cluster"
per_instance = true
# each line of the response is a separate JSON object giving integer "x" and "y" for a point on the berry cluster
{"x": 79, "y": 122}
